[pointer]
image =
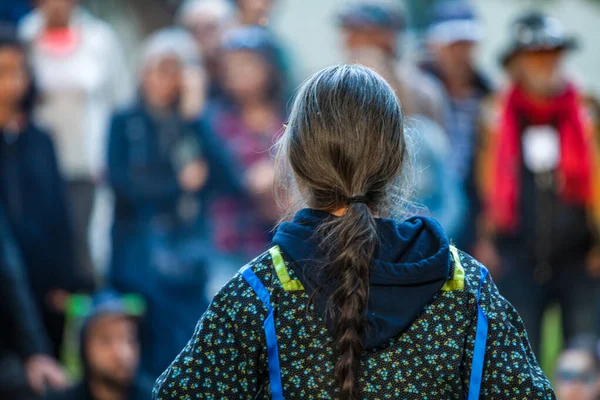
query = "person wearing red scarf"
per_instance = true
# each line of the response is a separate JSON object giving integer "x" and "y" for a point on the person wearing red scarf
{"x": 539, "y": 184}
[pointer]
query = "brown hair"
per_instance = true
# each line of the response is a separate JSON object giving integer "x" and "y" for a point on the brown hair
{"x": 345, "y": 146}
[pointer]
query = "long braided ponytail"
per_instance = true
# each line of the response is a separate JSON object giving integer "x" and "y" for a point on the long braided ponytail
{"x": 345, "y": 146}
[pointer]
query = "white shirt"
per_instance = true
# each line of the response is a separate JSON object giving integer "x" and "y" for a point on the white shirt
{"x": 79, "y": 91}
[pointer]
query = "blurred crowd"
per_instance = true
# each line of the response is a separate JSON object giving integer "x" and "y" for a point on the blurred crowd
{"x": 125, "y": 202}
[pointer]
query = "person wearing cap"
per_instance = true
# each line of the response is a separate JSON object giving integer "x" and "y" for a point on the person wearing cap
{"x": 538, "y": 175}
{"x": 254, "y": 12}
{"x": 452, "y": 39}
{"x": 164, "y": 166}
{"x": 207, "y": 21}
{"x": 248, "y": 119}
{"x": 110, "y": 351}
{"x": 371, "y": 32}
{"x": 371, "y": 35}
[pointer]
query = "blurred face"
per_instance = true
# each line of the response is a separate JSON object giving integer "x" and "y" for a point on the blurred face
{"x": 539, "y": 72}
{"x": 113, "y": 350}
{"x": 14, "y": 79}
{"x": 455, "y": 59}
{"x": 576, "y": 378}
{"x": 57, "y": 12}
{"x": 246, "y": 75}
{"x": 208, "y": 31}
{"x": 255, "y": 12}
{"x": 382, "y": 39}
{"x": 162, "y": 81}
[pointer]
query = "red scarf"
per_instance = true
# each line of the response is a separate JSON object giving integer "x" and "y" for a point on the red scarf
{"x": 574, "y": 172}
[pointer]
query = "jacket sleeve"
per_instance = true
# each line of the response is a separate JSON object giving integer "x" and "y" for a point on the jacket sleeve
{"x": 17, "y": 308}
{"x": 224, "y": 358}
{"x": 223, "y": 178}
{"x": 510, "y": 369}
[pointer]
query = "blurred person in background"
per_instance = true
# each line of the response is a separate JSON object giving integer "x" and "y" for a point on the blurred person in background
{"x": 371, "y": 33}
{"x": 79, "y": 67}
{"x": 254, "y": 12}
{"x": 372, "y": 36}
{"x": 258, "y": 13}
{"x": 33, "y": 194}
{"x": 248, "y": 119}
{"x": 164, "y": 165}
{"x": 578, "y": 371}
{"x": 452, "y": 38}
{"x": 25, "y": 361}
{"x": 110, "y": 353}
{"x": 207, "y": 21}
{"x": 538, "y": 169}
{"x": 435, "y": 188}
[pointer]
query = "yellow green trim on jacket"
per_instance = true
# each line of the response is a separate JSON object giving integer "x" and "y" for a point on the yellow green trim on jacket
{"x": 289, "y": 284}
{"x": 457, "y": 282}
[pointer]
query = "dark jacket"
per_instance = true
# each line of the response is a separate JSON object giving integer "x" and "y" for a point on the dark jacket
{"x": 33, "y": 194}
{"x": 423, "y": 304}
{"x": 143, "y": 157}
{"x": 22, "y": 331}
{"x": 11, "y": 11}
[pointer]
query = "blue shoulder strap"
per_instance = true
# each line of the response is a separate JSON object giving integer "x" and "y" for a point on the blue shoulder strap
{"x": 480, "y": 342}
{"x": 270, "y": 334}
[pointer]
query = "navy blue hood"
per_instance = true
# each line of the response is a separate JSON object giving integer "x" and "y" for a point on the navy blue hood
{"x": 411, "y": 264}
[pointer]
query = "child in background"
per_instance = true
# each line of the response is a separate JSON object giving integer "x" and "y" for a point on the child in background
{"x": 578, "y": 371}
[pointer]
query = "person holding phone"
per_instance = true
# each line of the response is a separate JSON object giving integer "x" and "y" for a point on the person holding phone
{"x": 163, "y": 167}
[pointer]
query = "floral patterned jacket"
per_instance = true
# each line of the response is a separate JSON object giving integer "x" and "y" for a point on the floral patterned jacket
{"x": 228, "y": 357}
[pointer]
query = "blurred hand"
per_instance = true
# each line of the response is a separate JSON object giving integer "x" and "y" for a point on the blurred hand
{"x": 193, "y": 94}
{"x": 193, "y": 176}
{"x": 261, "y": 177}
{"x": 485, "y": 252}
{"x": 43, "y": 371}
{"x": 592, "y": 262}
{"x": 57, "y": 299}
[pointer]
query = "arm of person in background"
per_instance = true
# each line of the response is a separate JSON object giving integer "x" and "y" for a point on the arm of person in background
{"x": 18, "y": 312}
{"x": 442, "y": 189}
{"x": 510, "y": 369}
{"x": 221, "y": 359}
{"x": 482, "y": 183}
{"x": 137, "y": 189}
{"x": 592, "y": 109}
{"x": 73, "y": 278}
{"x": 222, "y": 178}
